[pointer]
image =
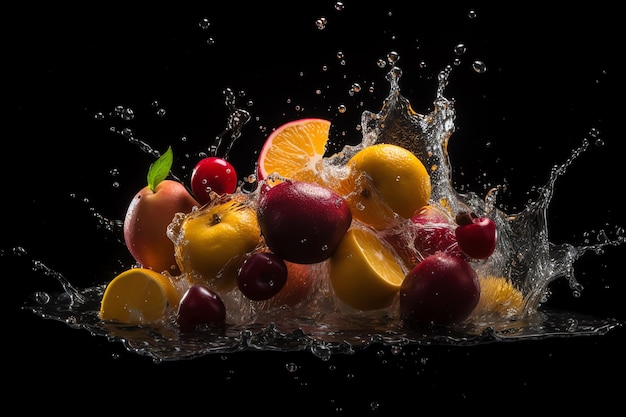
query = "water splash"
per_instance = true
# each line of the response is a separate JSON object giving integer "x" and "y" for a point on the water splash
{"x": 524, "y": 254}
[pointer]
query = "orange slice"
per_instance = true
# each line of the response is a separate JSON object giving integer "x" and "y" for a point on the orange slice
{"x": 294, "y": 150}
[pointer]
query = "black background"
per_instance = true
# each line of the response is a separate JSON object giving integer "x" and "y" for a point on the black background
{"x": 551, "y": 78}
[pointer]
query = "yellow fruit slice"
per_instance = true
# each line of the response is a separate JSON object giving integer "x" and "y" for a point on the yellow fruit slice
{"x": 384, "y": 179}
{"x": 294, "y": 150}
{"x": 498, "y": 296}
{"x": 364, "y": 272}
{"x": 139, "y": 296}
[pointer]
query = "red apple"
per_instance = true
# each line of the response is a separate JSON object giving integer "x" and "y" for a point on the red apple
{"x": 212, "y": 174}
{"x": 477, "y": 236}
{"x": 442, "y": 289}
{"x": 149, "y": 214}
{"x": 302, "y": 222}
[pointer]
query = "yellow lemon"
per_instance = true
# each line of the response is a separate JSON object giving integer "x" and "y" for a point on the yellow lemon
{"x": 140, "y": 295}
{"x": 211, "y": 243}
{"x": 384, "y": 180}
{"x": 498, "y": 296}
{"x": 364, "y": 272}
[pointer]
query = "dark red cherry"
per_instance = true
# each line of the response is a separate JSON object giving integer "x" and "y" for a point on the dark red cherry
{"x": 262, "y": 275}
{"x": 476, "y": 236}
{"x": 200, "y": 306}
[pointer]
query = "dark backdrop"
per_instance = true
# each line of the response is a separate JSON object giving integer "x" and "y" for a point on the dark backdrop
{"x": 551, "y": 78}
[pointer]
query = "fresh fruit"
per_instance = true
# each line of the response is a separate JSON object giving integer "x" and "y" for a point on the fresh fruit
{"x": 384, "y": 180}
{"x": 302, "y": 282}
{"x": 434, "y": 231}
{"x": 294, "y": 150}
{"x": 302, "y": 222}
{"x": 442, "y": 289}
{"x": 200, "y": 306}
{"x": 428, "y": 231}
{"x": 211, "y": 243}
{"x": 140, "y": 296}
{"x": 363, "y": 271}
{"x": 498, "y": 296}
{"x": 477, "y": 236}
{"x": 150, "y": 212}
{"x": 262, "y": 275}
{"x": 212, "y": 174}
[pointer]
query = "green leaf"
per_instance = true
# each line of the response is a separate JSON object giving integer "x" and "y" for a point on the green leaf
{"x": 160, "y": 169}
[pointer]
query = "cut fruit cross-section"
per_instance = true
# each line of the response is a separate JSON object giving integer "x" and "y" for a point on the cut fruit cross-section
{"x": 294, "y": 150}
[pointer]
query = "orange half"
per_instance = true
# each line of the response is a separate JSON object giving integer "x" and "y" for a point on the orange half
{"x": 294, "y": 151}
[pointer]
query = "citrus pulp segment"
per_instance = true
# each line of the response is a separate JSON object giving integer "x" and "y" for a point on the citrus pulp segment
{"x": 364, "y": 272}
{"x": 293, "y": 150}
{"x": 138, "y": 296}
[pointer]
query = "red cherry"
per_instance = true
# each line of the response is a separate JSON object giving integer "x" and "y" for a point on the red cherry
{"x": 476, "y": 236}
{"x": 200, "y": 306}
{"x": 261, "y": 276}
{"x": 212, "y": 174}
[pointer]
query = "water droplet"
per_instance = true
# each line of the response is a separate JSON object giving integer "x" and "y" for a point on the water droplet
{"x": 393, "y": 57}
{"x": 460, "y": 49}
{"x": 204, "y": 23}
{"x": 342, "y": 108}
{"x": 479, "y": 67}
{"x": 42, "y": 297}
{"x": 339, "y": 6}
{"x": 472, "y": 14}
{"x": 321, "y": 23}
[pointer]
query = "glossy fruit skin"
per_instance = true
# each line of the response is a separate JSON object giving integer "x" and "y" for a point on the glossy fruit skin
{"x": 212, "y": 174}
{"x": 442, "y": 289}
{"x": 477, "y": 236}
{"x": 434, "y": 231}
{"x": 200, "y": 306}
{"x": 147, "y": 218}
{"x": 302, "y": 222}
{"x": 262, "y": 276}
{"x": 213, "y": 241}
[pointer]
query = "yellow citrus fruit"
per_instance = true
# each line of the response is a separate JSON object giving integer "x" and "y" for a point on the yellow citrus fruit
{"x": 211, "y": 243}
{"x": 140, "y": 295}
{"x": 294, "y": 150}
{"x": 364, "y": 272}
{"x": 498, "y": 296}
{"x": 384, "y": 180}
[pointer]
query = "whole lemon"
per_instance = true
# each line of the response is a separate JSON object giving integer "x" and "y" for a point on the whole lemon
{"x": 211, "y": 243}
{"x": 385, "y": 181}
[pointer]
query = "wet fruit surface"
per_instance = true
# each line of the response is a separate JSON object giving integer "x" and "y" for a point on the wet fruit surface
{"x": 442, "y": 289}
{"x": 262, "y": 276}
{"x": 302, "y": 222}
{"x": 200, "y": 306}
{"x": 212, "y": 174}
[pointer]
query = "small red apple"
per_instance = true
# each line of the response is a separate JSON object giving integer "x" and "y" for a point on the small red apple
{"x": 441, "y": 289}
{"x": 302, "y": 222}
{"x": 149, "y": 214}
{"x": 477, "y": 236}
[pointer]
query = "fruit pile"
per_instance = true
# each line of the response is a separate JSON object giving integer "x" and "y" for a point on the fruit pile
{"x": 362, "y": 221}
